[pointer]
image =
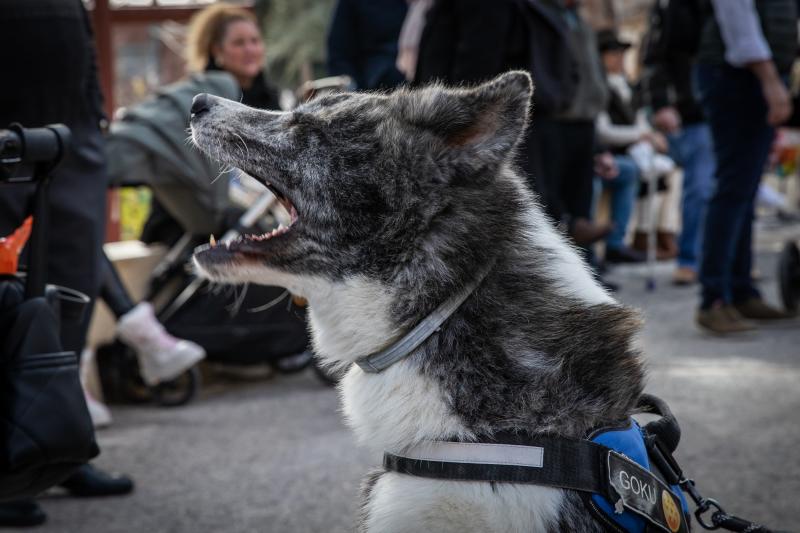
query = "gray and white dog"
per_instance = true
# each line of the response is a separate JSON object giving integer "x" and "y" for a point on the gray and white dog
{"x": 398, "y": 201}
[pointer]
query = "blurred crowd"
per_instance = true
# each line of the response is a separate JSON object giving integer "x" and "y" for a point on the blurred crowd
{"x": 657, "y": 157}
{"x": 672, "y": 152}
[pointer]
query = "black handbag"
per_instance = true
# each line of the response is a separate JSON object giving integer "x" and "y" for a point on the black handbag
{"x": 46, "y": 428}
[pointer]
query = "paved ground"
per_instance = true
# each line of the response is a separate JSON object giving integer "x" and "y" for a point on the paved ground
{"x": 273, "y": 456}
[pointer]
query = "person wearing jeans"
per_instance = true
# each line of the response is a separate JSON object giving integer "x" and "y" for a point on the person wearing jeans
{"x": 667, "y": 89}
{"x": 746, "y": 48}
{"x": 693, "y": 149}
{"x": 624, "y": 189}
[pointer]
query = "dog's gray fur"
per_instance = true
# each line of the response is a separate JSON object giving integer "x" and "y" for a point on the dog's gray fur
{"x": 415, "y": 191}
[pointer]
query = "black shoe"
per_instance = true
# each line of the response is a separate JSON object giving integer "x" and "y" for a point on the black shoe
{"x": 89, "y": 481}
{"x": 21, "y": 513}
{"x": 624, "y": 255}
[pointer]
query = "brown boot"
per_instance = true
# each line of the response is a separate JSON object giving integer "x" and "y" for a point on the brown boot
{"x": 684, "y": 276}
{"x": 757, "y": 309}
{"x": 640, "y": 244}
{"x": 585, "y": 232}
{"x": 667, "y": 245}
{"x": 640, "y": 241}
{"x": 722, "y": 320}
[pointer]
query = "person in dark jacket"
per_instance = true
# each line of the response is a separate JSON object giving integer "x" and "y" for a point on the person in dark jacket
{"x": 746, "y": 50}
{"x": 468, "y": 41}
{"x": 363, "y": 42}
{"x": 50, "y": 76}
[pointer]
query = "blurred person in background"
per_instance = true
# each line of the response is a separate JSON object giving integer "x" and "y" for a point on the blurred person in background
{"x": 667, "y": 90}
{"x": 624, "y": 127}
{"x": 468, "y": 41}
{"x": 363, "y": 42}
{"x": 50, "y": 76}
{"x": 747, "y": 48}
{"x": 410, "y": 36}
{"x": 619, "y": 126}
{"x": 225, "y": 57}
{"x": 564, "y": 139}
{"x": 225, "y": 37}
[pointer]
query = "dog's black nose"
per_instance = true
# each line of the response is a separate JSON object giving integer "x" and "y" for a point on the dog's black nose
{"x": 200, "y": 104}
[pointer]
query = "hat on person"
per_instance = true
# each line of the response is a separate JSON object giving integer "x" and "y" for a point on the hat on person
{"x": 607, "y": 40}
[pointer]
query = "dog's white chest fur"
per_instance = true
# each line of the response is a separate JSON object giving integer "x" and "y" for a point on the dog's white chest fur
{"x": 399, "y": 407}
{"x": 396, "y": 408}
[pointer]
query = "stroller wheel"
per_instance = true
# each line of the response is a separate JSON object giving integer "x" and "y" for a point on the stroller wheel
{"x": 119, "y": 375}
{"x": 179, "y": 391}
{"x": 327, "y": 375}
{"x": 789, "y": 276}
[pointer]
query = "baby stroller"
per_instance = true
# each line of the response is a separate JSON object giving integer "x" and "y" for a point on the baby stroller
{"x": 251, "y": 326}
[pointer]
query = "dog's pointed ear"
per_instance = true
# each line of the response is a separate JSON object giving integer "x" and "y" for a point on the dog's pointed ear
{"x": 477, "y": 126}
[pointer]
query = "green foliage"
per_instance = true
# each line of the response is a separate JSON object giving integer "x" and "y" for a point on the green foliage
{"x": 294, "y": 34}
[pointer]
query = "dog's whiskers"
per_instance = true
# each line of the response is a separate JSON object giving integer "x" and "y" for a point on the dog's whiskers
{"x": 239, "y": 297}
{"x": 225, "y": 170}
{"x": 270, "y": 304}
{"x": 247, "y": 150}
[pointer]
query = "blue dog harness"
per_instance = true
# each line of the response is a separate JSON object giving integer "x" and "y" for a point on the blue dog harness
{"x": 611, "y": 470}
{"x": 630, "y": 442}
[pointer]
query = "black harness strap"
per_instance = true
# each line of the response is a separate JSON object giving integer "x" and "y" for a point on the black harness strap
{"x": 568, "y": 463}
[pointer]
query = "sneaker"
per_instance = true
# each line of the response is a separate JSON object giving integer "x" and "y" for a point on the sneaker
{"x": 722, "y": 319}
{"x": 161, "y": 356}
{"x": 757, "y": 309}
{"x": 684, "y": 276}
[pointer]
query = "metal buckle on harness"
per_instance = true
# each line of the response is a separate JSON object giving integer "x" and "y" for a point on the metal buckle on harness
{"x": 708, "y": 503}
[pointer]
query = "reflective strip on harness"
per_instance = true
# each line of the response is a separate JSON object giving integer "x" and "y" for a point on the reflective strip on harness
{"x": 584, "y": 471}
{"x": 477, "y": 453}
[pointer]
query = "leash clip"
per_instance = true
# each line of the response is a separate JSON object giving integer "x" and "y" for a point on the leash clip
{"x": 703, "y": 507}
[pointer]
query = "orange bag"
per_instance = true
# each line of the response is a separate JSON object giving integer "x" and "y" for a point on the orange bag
{"x": 11, "y": 246}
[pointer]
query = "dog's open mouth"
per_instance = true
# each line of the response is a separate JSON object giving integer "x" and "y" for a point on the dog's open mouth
{"x": 287, "y": 204}
{"x": 252, "y": 244}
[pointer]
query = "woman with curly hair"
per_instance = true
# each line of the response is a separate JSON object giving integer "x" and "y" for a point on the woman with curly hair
{"x": 225, "y": 37}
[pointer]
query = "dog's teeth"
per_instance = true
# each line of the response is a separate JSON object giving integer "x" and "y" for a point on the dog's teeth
{"x": 228, "y": 245}
{"x": 211, "y": 240}
{"x": 281, "y": 228}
